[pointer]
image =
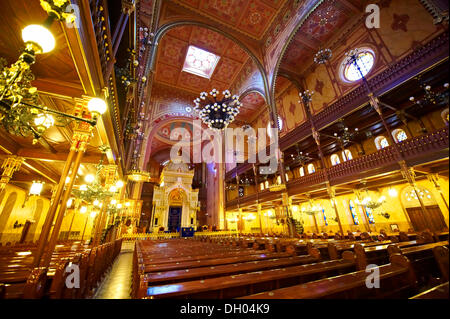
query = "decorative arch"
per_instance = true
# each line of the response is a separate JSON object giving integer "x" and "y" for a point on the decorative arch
{"x": 39, "y": 205}
{"x": 408, "y": 197}
{"x": 287, "y": 43}
{"x": 7, "y": 210}
{"x": 168, "y": 26}
{"x": 335, "y": 160}
{"x": 399, "y": 135}
{"x": 381, "y": 142}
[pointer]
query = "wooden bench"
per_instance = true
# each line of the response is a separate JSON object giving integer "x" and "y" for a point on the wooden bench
{"x": 430, "y": 261}
{"x": 395, "y": 279}
{"x": 225, "y": 270}
{"x": 248, "y": 283}
{"x": 438, "y": 292}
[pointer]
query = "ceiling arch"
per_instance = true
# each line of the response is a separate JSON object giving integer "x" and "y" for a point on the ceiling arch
{"x": 169, "y": 26}
{"x": 312, "y": 32}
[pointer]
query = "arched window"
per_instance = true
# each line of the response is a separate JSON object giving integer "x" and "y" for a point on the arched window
{"x": 279, "y": 180}
{"x": 287, "y": 177}
{"x": 347, "y": 155}
{"x": 369, "y": 215}
{"x": 266, "y": 184}
{"x": 352, "y": 209}
{"x": 302, "y": 171}
{"x": 381, "y": 142}
{"x": 324, "y": 217}
{"x": 365, "y": 61}
{"x": 261, "y": 186}
{"x": 7, "y": 210}
{"x": 399, "y": 135}
{"x": 39, "y": 204}
{"x": 311, "y": 169}
{"x": 335, "y": 159}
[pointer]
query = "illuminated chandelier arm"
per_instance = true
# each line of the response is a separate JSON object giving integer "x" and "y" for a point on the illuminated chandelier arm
{"x": 76, "y": 118}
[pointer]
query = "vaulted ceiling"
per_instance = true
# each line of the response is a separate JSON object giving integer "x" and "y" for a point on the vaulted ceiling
{"x": 252, "y": 18}
{"x": 172, "y": 54}
{"x": 251, "y": 23}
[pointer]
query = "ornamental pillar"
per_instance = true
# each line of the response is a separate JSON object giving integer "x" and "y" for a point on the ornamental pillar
{"x": 9, "y": 166}
{"x": 409, "y": 175}
{"x": 81, "y": 138}
{"x": 434, "y": 178}
{"x": 110, "y": 176}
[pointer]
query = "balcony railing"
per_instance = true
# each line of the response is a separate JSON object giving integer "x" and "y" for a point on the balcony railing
{"x": 418, "y": 149}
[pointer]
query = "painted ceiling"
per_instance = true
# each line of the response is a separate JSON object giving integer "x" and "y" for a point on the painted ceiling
{"x": 172, "y": 54}
{"x": 252, "y": 18}
{"x": 175, "y": 89}
{"x": 252, "y": 104}
{"x": 318, "y": 29}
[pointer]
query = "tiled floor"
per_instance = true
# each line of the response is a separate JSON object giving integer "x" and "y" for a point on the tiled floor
{"x": 117, "y": 284}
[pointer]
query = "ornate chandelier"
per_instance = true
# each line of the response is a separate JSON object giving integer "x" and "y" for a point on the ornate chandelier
{"x": 346, "y": 135}
{"x": 370, "y": 203}
{"x": 323, "y": 56}
{"x": 94, "y": 191}
{"x": 215, "y": 112}
{"x": 311, "y": 209}
{"x": 20, "y": 112}
{"x": 136, "y": 175}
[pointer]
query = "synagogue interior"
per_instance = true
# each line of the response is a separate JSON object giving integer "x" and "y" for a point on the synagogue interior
{"x": 206, "y": 149}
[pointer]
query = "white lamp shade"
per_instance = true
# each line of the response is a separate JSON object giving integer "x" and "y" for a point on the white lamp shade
{"x": 45, "y": 120}
{"x": 97, "y": 105}
{"x": 36, "y": 188}
{"x": 89, "y": 178}
{"x": 119, "y": 184}
{"x": 40, "y": 35}
{"x": 393, "y": 192}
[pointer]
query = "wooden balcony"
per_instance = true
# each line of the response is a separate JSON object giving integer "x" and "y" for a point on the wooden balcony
{"x": 415, "y": 151}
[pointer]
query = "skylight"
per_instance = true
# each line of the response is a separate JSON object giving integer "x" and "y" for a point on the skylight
{"x": 200, "y": 62}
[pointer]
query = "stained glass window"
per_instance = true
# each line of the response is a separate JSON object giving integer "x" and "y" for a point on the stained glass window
{"x": 302, "y": 171}
{"x": 381, "y": 142}
{"x": 347, "y": 155}
{"x": 401, "y": 136}
{"x": 335, "y": 159}
{"x": 351, "y": 206}
{"x": 324, "y": 217}
{"x": 365, "y": 61}
{"x": 311, "y": 169}
{"x": 369, "y": 214}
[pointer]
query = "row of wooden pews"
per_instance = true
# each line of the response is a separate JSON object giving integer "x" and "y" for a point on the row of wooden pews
{"x": 266, "y": 267}
{"x": 19, "y": 279}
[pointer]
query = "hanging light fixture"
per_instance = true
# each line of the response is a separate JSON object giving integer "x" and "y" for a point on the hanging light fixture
{"x": 20, "y": 112}
{"x": 216, "y": 112}
{"x": 431, "y": 97}
{"x": 323, "y": 56}
{"x": 346, "y": 135}
{"x": 95, "y": 192}
{"x": 36, "y": 188}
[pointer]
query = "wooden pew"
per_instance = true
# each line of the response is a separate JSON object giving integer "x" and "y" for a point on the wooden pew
{"x": 147, "y": 268}
{"x": 248, "y": 283}
{"x": 397, "y": 280}
{"x": 438, "y": 292}
{"x": 424, "y": 261}
{"x": 226, "y": 270}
